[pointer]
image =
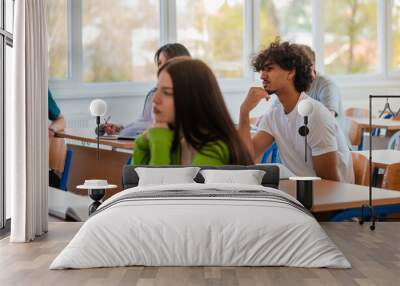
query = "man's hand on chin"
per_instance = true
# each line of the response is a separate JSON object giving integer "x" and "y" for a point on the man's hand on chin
{"x": 254, "y": 96}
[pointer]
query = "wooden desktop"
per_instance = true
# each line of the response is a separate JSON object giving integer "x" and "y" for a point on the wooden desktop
{"x": 334, "y": 196}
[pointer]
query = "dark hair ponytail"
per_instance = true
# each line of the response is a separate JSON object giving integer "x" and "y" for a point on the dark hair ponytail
{"x": 170, "y": 51}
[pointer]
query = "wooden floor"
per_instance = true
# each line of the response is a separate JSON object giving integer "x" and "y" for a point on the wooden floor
{"x": 375, "y": 257}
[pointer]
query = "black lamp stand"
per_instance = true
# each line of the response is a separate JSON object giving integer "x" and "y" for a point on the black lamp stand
{"x": 304, "y": 188}
{"x": 303, "y": 131}
{"x": 98, "y": 135}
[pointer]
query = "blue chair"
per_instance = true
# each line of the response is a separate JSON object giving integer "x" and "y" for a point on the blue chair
{"x": 67, "y": 166}
{"x": 381, "y": 212}
{"x": 129, "y": 162}
{"x": 273, "y": 152}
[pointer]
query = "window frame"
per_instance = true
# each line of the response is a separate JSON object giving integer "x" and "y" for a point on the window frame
{"x": 73, "y": 86}
{"x": 6, "y": 39}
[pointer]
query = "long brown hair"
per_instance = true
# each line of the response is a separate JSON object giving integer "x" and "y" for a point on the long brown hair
{"x": 200, "y": 110}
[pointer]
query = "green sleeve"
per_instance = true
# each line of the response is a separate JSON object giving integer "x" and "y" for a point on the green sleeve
{"x": 160, "y": 141}
{"x": 213, "y": 154}
{"x": 54, "y": 111}
{"x": 141, "y": 151}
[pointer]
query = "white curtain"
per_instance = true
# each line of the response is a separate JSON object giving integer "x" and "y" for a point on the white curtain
{"x": 26, "y": 119}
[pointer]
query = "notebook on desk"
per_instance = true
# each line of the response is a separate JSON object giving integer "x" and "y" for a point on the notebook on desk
{"x": 133, "y": 130}
{"x": 109, "y": 137}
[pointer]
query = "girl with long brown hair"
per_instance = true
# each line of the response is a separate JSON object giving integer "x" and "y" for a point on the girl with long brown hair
{"x": 192, "y": 123}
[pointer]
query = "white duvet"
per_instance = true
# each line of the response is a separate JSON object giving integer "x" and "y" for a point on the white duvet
{"x": 200, "y": 231}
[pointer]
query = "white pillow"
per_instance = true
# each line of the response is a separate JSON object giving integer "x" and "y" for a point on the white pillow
{"x": 248, "y": 177}
{"x": 284, "y": 172}
{"x": 166, "y": 176}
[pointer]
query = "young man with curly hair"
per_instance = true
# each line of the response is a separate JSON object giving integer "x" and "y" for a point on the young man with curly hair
{"x": 286, "y": 71}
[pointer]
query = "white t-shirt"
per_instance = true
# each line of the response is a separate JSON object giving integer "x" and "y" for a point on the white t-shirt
{"x": 325, "y": 136}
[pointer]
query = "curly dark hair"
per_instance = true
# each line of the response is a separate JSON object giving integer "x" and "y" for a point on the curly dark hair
{"x": 287, "y": 56}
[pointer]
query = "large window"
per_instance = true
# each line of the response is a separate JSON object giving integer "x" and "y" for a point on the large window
{"x": 395, "y": 62}
{"x": 350, "y": 38}
{"x": 290, "y": 20}
{"x": 119, "y": 39}
{"x": 57, "y": 38}
{"x": 102, "y": 41}
{"x": 213, "y": 31}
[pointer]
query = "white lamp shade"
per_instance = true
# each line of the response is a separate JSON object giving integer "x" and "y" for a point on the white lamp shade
{"x": 98, "y": 107}
{"x": 305, "y": 107}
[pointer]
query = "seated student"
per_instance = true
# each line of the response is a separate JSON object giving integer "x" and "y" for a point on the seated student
{"x": 163, "y": 54}
{"x": 57, "y": 124}
{"x": 192, "y": 125}
{"x": 285, "y": 71}
{"x": 325, "y": 90}
{"x": 55, "y": 116}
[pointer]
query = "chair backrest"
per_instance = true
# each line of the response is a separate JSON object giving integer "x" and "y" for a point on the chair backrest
{"x": 353, "y": 132}
{"x": 391, "y": 178}
{"x": 57, "y": 154}
{"x": 356, "y": 112}
{"x": 361, "y": 169}
{"x": 394, "y": 142}
{"x": 65, "y": 174}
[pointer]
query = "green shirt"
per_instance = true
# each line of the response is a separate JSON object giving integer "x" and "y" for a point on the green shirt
{"x": 54, "y": 111}
{"x": 156, "y": 150}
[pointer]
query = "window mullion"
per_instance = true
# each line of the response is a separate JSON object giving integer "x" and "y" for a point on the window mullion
{"x": 250, "y": 37}
{"x": 2, "y": 110}
{"x": 167, "y": 21}
{"x": 318, "y": 10}
{"x": 3, "y": 13}
{"x": 75, "y": 55}
{"x": 384, "y": 31}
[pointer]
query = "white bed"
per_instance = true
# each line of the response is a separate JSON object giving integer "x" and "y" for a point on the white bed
{"x": 185, "y": 230}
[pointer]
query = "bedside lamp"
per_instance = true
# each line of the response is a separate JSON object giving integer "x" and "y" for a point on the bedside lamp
{"x": 98, "y": 107}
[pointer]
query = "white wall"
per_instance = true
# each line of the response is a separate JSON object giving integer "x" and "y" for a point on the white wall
{"x": 126, "y": 108}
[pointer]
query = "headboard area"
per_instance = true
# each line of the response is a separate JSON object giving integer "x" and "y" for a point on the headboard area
{"x": 130, "y": 178}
